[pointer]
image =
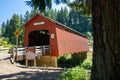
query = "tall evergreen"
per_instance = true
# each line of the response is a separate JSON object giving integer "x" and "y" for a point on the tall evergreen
{"x": 3, "y": 29}
{"x": 80, "y": 23}
{"x": 33, "y": 13}
{"x": 13, "y": 25}
{"x": 26, "y": 16}
{"x": 70, "y": 18}
{"x": 21, "y": 30}
{"x": 7, "y": 28}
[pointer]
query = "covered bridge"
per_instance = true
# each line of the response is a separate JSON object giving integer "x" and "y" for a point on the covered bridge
{"x": 40, "y": 31}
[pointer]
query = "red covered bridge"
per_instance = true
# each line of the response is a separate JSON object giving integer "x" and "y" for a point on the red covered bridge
{"x": 40, "y": 31}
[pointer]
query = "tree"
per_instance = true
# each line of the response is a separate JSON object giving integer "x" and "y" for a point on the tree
{"x": 39, "y": 4}
{"x": 3, "y": 29}
{"x": 29, "y": 15}
{"x": 7, "y": 28}
{"x": 33, "y": 13}
{"x": 13, "y": 25}
{"x": 106, "y": 49}
{"x": 62, "y": 16}
{"x": 26, "y": 16}
{"x": 53, "y": 14}
{"x": 79, "y": 22}
{"x": 21, "y": 29}
{"x": 43, "y": 5}
{"x": 47, "y": 13}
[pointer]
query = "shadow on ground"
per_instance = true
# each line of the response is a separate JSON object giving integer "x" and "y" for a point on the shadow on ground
{"x": 32, "y": 75}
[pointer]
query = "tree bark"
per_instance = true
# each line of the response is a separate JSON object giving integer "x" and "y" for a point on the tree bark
{"x": 106, "y": 47}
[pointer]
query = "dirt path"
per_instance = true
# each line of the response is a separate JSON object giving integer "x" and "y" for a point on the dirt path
{"x": 9, "y": 71}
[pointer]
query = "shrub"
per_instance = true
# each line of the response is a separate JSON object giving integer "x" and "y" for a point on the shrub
{"x": 4, "y": 43}
{"x": 61, "y": 61}
{"x": 76, "y": 73}
{"x": 87, "y": 64}
{"x": 71, "y": 60}
{"x": 65, "y": 61}
{"x": 0, "y": 44}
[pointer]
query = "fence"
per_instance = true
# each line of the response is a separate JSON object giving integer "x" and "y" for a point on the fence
{"x": 19, "y": 53}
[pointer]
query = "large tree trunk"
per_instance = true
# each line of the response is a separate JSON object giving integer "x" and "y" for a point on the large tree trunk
{"x": 106, "y": 47}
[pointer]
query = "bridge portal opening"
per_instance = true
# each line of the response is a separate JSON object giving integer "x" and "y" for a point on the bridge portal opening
{"x": 39, "y": 38}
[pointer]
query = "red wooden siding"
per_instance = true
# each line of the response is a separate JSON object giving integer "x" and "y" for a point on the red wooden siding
{"x": 69, "y": 42}
{"x": 64, "y": 41}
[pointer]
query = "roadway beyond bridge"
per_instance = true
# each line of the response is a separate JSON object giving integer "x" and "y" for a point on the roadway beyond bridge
{"x": 4, "y": 53}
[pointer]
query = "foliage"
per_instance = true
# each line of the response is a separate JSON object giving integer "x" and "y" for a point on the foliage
{"x": 10, "y": 26}
{"x": 43, "y": 5}
{"x": 82, "y": 5}
{"x": 71, "y": 60}
{"x": 81, "y": 72}
{"x": 70, "y": 18}
{"x": 90, "y": 42}
{"x": 76, "y": 20}
{"x": 4, "y": 42}
{"x": 87, "y": 64}
{"x": 76, "y": 73}
{"x": 65, "y": 61}
{"x": 90, "y": 37}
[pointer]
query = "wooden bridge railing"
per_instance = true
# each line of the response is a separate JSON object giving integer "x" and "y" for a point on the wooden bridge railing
{"x": 20, "y": 53}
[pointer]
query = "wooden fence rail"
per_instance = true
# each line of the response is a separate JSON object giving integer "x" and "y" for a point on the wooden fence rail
{"x": 19, "y": 53}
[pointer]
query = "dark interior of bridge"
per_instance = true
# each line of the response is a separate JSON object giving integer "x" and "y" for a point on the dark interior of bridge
{"x": 39, "y": 38}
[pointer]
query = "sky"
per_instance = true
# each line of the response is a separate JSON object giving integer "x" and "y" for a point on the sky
{"x": 9, "y": 7}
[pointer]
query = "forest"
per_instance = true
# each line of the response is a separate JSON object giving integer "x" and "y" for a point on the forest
{"x": 106, "y": 31}
{"x": 70, "y": 18}
{"x": 75, "y": 20}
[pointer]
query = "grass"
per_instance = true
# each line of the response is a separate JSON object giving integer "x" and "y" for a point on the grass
{"x": 81, "y": 72}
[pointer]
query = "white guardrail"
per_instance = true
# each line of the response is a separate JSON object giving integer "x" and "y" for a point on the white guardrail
{"x": 39, "y": 50}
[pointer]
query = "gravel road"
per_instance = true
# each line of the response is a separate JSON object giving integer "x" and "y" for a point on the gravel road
{"x": 15, "y": 71}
